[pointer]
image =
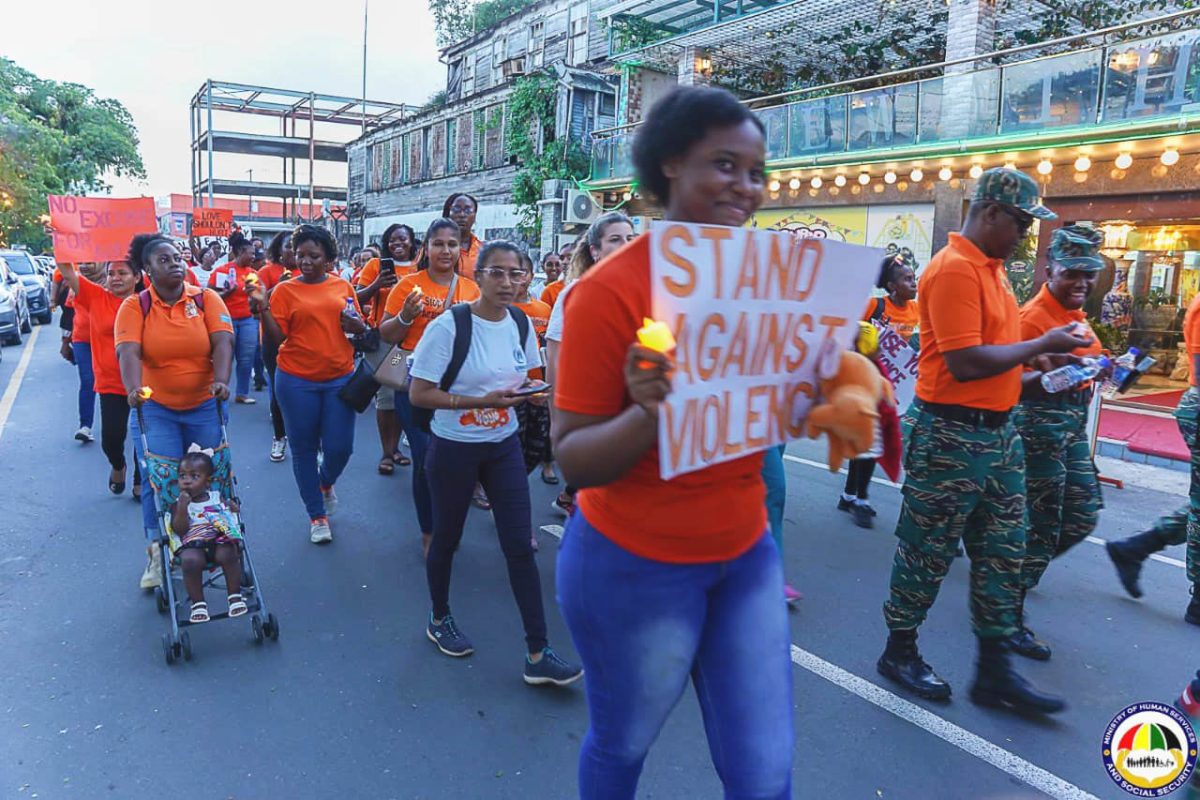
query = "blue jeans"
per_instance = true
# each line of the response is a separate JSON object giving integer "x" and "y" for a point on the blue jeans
{"x": 170, "y": 433}
{"x": 418, "y": 443}
{"x": 245, "y": 344}
{"x": 643, "y": 627}
{"x": 87, "y": 383}
{"x": 775, "y": 478}
{"x": 315, "y": 419}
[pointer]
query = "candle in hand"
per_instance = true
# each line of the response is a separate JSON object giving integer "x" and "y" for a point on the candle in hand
{"x": 656, "y": 336}
{"x": 145, "y": 392}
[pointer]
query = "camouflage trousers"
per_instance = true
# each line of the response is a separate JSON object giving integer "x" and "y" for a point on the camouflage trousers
{"x": 1062, "y": 489}
{"x": 966, "y": 483}
{"x": 1183, "y": 524}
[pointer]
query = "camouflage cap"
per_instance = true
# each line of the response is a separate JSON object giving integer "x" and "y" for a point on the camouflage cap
{"x": 1014, "y": 188}
{"x": 1075, "y": 247}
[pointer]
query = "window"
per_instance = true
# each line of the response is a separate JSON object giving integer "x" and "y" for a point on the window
{"x": 477, "y": 148}
{"x": 498, "y": 53}
{"x": 607, "y": 104}
{"x": 451, "y": 146}
{"x": 537, "y": 36}
{"x": 404, "y": 166}
{"x": 468, "y": 75}
{"x": 577, "y": 43}
{"x": 426, "y": 164}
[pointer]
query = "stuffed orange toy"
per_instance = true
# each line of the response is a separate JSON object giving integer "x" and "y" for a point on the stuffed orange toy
{"x": 849, "y": 407}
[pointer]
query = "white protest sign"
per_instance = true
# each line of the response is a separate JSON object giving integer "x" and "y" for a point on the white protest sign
{"x": 749, "y": 310}
{"x": 899, "y": 362}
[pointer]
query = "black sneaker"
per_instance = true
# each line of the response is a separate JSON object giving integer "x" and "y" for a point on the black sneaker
{"x": 862, "y": 515}
{"x": 844, "y": 504}
{"x": 448, "y": 638}
{"x": 551, "y": 669}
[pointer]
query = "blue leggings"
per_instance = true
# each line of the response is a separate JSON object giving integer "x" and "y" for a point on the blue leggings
{"x": 87, "y": 383}
{"x": 643, "y": 628}
{"x": 245, "y": 345}
{"x": 170, "y": 433}
{"x": 418, "y": 443}
{"x": 316, "y": 420}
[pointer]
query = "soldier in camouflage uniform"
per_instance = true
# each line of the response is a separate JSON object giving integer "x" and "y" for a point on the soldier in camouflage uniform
{"x": 964, "y": 462}
{"x": 1183, "y": 524}
{"x": 1062, "y": 489}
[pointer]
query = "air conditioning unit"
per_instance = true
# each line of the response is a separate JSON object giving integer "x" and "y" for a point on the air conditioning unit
{"x": 580, "y": 209}
{"x": 513, "y": 67}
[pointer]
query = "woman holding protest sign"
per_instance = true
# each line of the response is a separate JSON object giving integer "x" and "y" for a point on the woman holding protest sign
{"x": 693, "y": 558}
{"x": 229, "y": 281}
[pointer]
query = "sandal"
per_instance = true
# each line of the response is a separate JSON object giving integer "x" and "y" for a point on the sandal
{"x": 237, "y": 605}
{"x": 479, "y": 499}
{"x": 137, "y": 492}
{"x": 116, "y": 487}
{"x": 199, "y": 613}
{"x": 386, "y": 465}
{"x": 549, "y": 477}
{"x": 401, "y": 459}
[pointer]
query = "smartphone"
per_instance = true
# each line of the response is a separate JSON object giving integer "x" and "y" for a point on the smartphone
{"x": 387, "y": 266}
{"x": 528, "y": 391}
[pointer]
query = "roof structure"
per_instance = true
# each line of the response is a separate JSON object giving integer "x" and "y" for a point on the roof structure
{"x": 243, "y": 98}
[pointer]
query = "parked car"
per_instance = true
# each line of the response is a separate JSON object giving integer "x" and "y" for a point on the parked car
{"x": 14, "y": 307}
{"x": 37, "y": 285}
{"x": 48, "y": 266}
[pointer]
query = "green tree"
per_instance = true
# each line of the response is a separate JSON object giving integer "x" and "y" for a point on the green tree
{"x": 455, "y": 20}
{"x": 56, "y": 138}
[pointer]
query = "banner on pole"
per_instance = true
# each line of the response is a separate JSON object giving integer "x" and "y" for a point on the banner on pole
{"x": 212, "y": 221}
{"x": 750, "y": 310}
{"x": 899, "y": 362}
{"x": 97, "y": 228}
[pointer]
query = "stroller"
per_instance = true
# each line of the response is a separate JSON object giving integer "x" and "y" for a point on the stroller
{"x": 162, "y": 474}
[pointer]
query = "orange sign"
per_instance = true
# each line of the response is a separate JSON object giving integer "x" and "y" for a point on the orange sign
{"x": 212, "y": 221}
{"x": 97, "y": 228}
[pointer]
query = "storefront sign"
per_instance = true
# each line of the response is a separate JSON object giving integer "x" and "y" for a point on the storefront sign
{"x": 834, "y": 223}
{"x": 97, "y": 228}
{"x": 750, "y": 310}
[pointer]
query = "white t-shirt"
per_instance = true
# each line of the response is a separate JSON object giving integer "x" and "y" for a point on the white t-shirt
{"x": 495, "y": 360}
{"x": 201, "y": 274}
{"x": 554, "y": 328}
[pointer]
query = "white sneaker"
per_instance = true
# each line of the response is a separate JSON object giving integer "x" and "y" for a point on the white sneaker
{"x": 331, "y": 500}
{"x": 84, "y": 434}
{"x": 319, "y": 532}
{"x": 152, "y": 576}
{"x": 278, "y": 448}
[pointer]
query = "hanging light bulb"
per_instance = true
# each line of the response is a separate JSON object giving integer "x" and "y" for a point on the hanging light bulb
{"x": 945, "y": 173}
{"x": 1044, "y": 167}
{"x": 889, "y": 177}
{"x": 1169, "y": 157}
{"x": 1083, "y": 164}
{"x": 975, "y": 171}
{"x": 794, "y": 184}
{"x": 839, "y": 180}
{"x": 773, "y": 186}
{"x": 816, "y": 182}
{"x": 916, "y": 175}
{"x": 1124, "y": 161}
{"x": 864, "y": 178}
{"x": 627, "y": 196}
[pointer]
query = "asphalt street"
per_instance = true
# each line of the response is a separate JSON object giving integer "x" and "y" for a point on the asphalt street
{"x": 354, "y": 702}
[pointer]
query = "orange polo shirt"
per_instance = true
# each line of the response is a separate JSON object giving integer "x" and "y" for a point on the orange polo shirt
{"x": 966, "y": 301}
{"x": 901, "y": 319}
{"x": 1191, "y": 334}
{"x": 310, "y": 316}
{"x": 367, "y": 276}
{"x": 100, "y": 305}
{"x": 1043, "y": 312}
{"x": 177, "y": 353}
{"x": 552, "y": 291}
{"x": 433, "y": 299}
{"x": 714, "y": 514}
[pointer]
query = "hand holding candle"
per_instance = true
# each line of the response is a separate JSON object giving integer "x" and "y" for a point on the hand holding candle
{"x": 145, "y": 392}
{"x": 656, "y": 336}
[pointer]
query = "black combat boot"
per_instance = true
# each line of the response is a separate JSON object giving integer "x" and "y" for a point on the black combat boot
{"x": 1128, "y": 554}
{"x": 903, "y": 664}
{"x": 1192, "y": 614}
{"x": 998, "y": 685}
{"x": 1025, "y": 642}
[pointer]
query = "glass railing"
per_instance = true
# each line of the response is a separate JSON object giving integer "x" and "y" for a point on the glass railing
{"x": 1134, "y": 82}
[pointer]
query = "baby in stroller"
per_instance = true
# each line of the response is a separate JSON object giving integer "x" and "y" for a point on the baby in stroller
{"x": 209, "y": 533}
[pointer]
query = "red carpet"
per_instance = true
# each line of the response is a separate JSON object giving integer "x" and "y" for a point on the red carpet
{"x": 1158, "y": 436}
{"x": 1165, "y": 400}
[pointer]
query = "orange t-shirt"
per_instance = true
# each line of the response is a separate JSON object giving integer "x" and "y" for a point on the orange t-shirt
{"x": 966, "y": 301}
{"x": 713, "y": 514}
{"x": 100, "y": 305}
{"x": 271, "y": 275}
{"x": 552, "y": 291}
{"x": 367, "y": 276}
{"x": 468, "y": 254}
{"x": 238, "y": 302}
{"x": 309, "y": 314}
{"x": 1043, "y": 312}
{"x": 176, "y": 353}
{"x": 433, "y": 299}
{"x": 539, "y": 317}
{"x": 1191, "y": 334}
{"x": 81, "y": 326}
{"x": 902, "y": 320}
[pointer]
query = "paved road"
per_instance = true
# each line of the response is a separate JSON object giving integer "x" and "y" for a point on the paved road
{"x": 353, "y": 702}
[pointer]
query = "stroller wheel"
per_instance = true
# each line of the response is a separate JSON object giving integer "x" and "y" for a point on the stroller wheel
{"x": 160, "y": 599}
{"x": 168, "y": 650}
{"x": 185, "y": 642}
{"x": 257, "y": 626}
{"x": 272, "y": 628}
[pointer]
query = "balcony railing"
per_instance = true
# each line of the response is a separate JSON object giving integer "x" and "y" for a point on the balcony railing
{"x": 1123, "y": 85}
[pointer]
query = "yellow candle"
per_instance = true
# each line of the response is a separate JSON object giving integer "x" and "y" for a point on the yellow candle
{"x": 251, "y": 279}
{"x": 417, "y": 289}
{"x": 145, "y": 392}
{"x": 656, "y": 336}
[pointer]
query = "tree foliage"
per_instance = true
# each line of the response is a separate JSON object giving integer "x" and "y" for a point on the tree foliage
{"x": 455, "y": 20}
{"x": 56, "y": 138}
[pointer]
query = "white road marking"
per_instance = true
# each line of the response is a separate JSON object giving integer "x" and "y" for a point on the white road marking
{"x": 554, "y": 530}
{"x": 947, "y": 731}
{"x": 14, "y": 382}
{"x": 1174, "y": 562}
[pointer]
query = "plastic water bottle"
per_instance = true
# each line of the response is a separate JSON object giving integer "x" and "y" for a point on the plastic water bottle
{"x": 352, "y": 311}
{"x": 1121, "y": 369}
{"x": 1064, "y": 378}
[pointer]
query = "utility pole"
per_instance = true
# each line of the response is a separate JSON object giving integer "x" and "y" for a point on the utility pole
{"x": 364, "y": 74}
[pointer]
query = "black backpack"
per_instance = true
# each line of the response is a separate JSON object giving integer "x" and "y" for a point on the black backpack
{"x": 423, "y": 417}
{"x": 878, "y": 312}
